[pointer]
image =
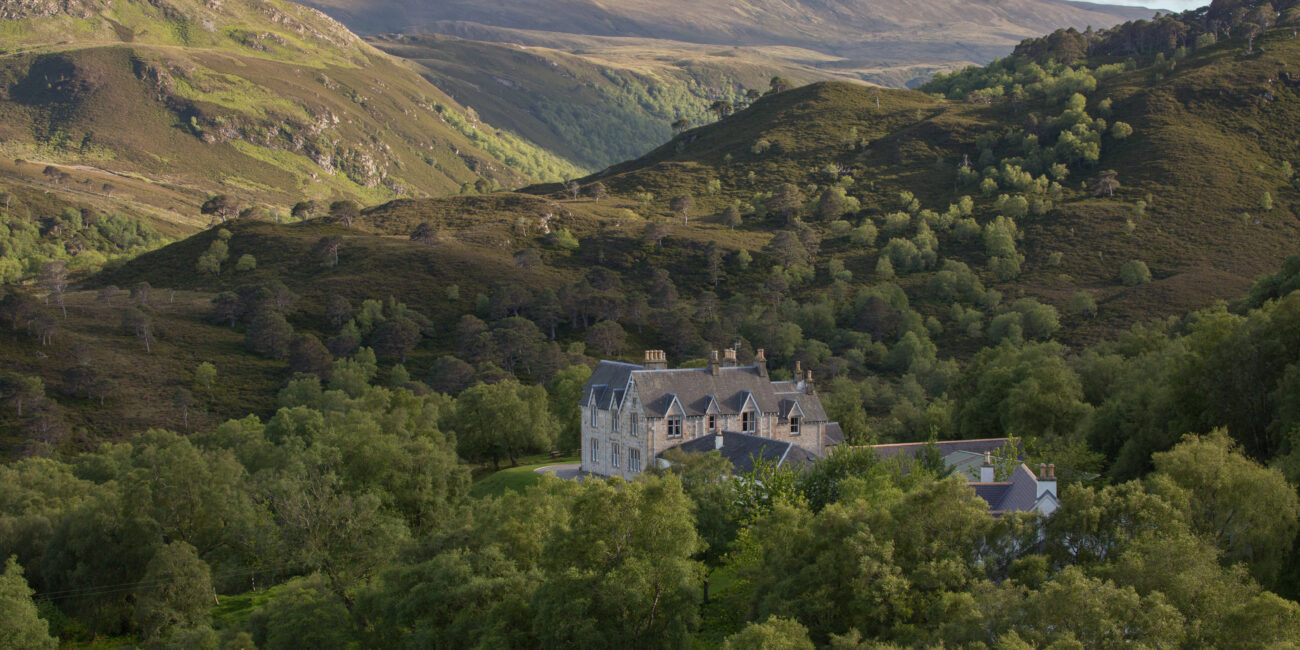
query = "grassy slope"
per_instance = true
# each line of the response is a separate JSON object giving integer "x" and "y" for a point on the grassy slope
{"x": 1191, "y": 236}
{"x": 267, "y": 100}
{"x": 939, "y": 30}
{"x": 1205, "y": 149}
{"x": 605, "y": 105}
{"x": 144, "y": 381}
{"x": 496, "y": 483}
{"x": 477, "y": 238}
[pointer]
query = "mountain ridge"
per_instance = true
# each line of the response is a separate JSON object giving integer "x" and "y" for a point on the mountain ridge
{"x": 267, "y": 100}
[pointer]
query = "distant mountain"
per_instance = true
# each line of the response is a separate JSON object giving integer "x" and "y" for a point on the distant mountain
{"x": 597, "y": 108}
{"x": 601, "y": 82}
{"x": 895, "y": 30}
{"x": 264, "y": 99}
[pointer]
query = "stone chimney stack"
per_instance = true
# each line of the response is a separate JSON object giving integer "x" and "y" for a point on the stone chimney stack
{"x": 729, "y": 358}
{"x": 986, "y": 470}
{"x": 808, "y": 384}
{"x": 798, "y": 370}
{"x": 714, "y": 363}
{"x": 760, "y": 360}
{"x": 1046, "y": 480}
{"x": 655, "y": 360}
{"x": 717, "y": 440}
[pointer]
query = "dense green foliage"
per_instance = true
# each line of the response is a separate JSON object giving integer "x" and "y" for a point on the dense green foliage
{"x": 286, "y": 417}
{"x": 351, "y": 497}
{"x": 86, "y": 242}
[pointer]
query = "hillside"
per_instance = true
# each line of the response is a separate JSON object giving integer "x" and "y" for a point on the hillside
{"x": 1204, "y": 150}
{"x": 611, "y": 102}
{"x": 262, "y": 99}
{"x": 827, "y": 228}
{"x": 1087, "y": 249}
{"x": 946, "y": 30}
{"x": 599, "y": 84}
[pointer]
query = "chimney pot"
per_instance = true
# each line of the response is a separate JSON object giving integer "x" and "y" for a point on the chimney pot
{"x": 656, "y": 360}
{"x": 986, "y": 471}
{"x": 1046, "y": 480}
{"x": 761, "y": 355}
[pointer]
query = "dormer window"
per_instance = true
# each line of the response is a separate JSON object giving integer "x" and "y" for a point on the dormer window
{"x": 712, "y": 421}
{"x": 794, "y": 425}
{"x": 749, "y": 422}
{"x": 675, "y": 426}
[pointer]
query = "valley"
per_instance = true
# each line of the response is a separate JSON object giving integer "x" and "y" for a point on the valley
{"x": 289, "y": 317}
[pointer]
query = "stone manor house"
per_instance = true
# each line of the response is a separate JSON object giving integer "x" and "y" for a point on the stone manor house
{"x": 632, "y": 413}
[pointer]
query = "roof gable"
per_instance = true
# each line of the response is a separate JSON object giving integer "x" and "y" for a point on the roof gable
{"x": 711, "y": 406}
{"x": 674, "y": 406}
{"x": 608, "y": 375}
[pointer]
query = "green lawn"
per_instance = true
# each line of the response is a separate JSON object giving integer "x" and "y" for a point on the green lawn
{"x": 514, "y": 478}
{"x": 234, "y": 609}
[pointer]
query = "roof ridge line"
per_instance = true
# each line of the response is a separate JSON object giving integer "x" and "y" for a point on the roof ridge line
{"x": 787, "y": 452}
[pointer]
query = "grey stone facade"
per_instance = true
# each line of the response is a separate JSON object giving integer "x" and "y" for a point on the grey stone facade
{"x": 631, "y": 413}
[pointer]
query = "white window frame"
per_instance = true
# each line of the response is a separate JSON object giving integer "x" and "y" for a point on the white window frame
{"x": 613, "y": 455}
{"x": 633, "y": 426}
{"x": 595, "y": 450}
{"x": 634, "y": 460}
{"x": 674, "y": 422}
{"x": 795, "y": 425}
{"x": 711, "y": 423}
{"x": 749, "y": 422}
{"x": 613, "y": 420}
{"x": 593, "y": 411}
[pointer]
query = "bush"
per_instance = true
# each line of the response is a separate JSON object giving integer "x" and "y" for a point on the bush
{"x": 1083, "y": 304}
{"x": 864, "y": 235}
{"x": 564, "y": 240}
{"x": 246, "y": 262}
{"x": 1134, "y": 272}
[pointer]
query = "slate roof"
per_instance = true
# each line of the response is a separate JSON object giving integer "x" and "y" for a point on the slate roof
{"x": 1023, "y": 493}
{"x": 966, "y": 463}
{"x": 834, "y": 434}
{"x": 946, "y": 447}
{"x": 1018, "y": 494}
{"x": 608, "y": 378}
{"x": 741, "y": 449}
{"x": 694, "y": 387}
{"x": 993, "y": 493}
